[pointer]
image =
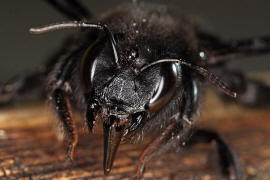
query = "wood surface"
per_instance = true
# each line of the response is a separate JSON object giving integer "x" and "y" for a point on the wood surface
{"x": 30, "y": 149}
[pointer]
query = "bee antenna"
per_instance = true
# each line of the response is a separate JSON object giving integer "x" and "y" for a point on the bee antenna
{"x": 215, "y": 80}
{"x": 76, "y": 24}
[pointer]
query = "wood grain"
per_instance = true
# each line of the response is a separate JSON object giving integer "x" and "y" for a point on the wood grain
{"x": 29, "y": 148}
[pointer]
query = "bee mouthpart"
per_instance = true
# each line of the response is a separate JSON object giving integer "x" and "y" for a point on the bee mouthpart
{"x": 112, "y": 137}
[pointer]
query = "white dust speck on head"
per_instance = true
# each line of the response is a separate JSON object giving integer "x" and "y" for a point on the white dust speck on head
{"x": 202, "y": 54}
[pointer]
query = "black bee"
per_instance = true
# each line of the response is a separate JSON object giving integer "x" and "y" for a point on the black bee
{"x": 140, "y": 69}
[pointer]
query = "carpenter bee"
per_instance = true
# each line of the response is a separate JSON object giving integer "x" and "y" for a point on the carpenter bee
{"x": 140, "y": 69}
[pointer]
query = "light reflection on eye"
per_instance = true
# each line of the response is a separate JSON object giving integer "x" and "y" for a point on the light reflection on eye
{"x": 166, "y": 88}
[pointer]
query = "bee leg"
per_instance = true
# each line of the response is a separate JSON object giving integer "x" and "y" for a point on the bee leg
{"x": 250, "y": 93}
{"x": 219, "y": 51}
{"x": 72, "y": 9}
{"x": 227, "y": 157}
{"x": 21, "y": 88}
{"x": 160, "y": 145}
{"x": 60, "y": 92}
{"x": 63, "y": 109}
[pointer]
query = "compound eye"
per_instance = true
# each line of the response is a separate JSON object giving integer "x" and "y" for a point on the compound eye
{"x": 166, "y": 87}
{"x": 88, "y": 63}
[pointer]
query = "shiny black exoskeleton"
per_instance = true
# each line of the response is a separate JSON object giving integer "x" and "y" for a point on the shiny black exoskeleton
{"x": 139, "y": 69}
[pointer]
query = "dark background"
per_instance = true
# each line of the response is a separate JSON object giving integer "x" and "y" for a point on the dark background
{"x": 20, "y": 51}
